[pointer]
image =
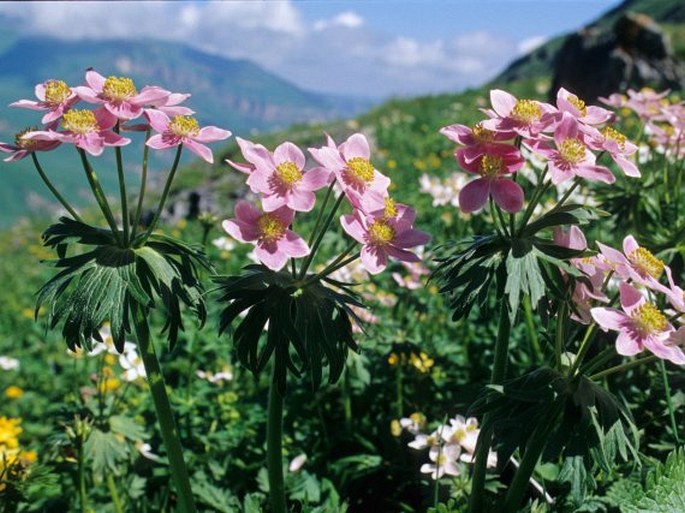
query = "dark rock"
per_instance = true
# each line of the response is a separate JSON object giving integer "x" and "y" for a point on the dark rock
{"x": 634, "y": 53}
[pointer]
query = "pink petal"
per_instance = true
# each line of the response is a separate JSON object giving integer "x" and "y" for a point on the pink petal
{"x": 256, "y": 154}
{"x": 199, "y": 149}
{"x": 629, "y": 244}
{"x": 271, "y": 256}
{"x": 240, "y": 230}
{"x": 105, "y": 118}
{"x": 151, "y": 95}
{"x": 92, "y": 143}
{"x": 473, "y": 195}
{"x": 159, "y": 142}
{"x": 158, "y": 120}
{"x": 355, "y": 146}
{"x": 507, "y": 194}
{"x": 567, "y": 129}
{"x": 211, "y": 134}
{"x": 285, "y": 215}
{"x": 594, "y": 172}
{"x": 628, "y": 167}
{"x": 610, "y": 318}
{"x": 597, "y": 115}
{"x": 315, "y": 179}
{"x": 28, "y": 104}
{"x": 401, "y": 254}
{"x": 502, "y": 102}
{"x": 459, "y": 133}
{"x": 631, "y": 298}
{"x": 124, "y": 110}
{"x": 627, "y": 345}
{"x": 411, "y": 238}
{"x": 87, "y": 94}
{"x": 112, "y": 139}
{"x": 328, "y": 157}
{"x": 247, "y": 212}
{"x": 271, "y": 202}
{"x": 288, "y": 152}
{"x": 301, "y": 200}
{"x": 39, "y": 91}
{"x": 293, "y": 245}
{"x": 95, "y": 80}
{"x": 373, "y": 259}
{"x": 353, "y": 228}
{"x": 260, "y": 180}
{"x": 243, "y": 168}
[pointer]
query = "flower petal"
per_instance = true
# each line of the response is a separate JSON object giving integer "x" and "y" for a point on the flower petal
{"x": 474, "y": 195}
{"x": 507, "y": 194}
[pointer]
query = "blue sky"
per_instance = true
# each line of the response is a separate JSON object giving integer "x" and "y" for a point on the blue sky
{"x": 373, "y": 48}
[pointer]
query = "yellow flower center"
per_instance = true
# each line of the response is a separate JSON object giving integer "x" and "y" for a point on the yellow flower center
{"x": 470, "y": 428}
{"x": 23, "y": 142}
{"x": 390, "y": 209}
{"x": 614, "y": 135}
{"x": 481, "y": 134}
{"x": 648, "y": 319}
{"x": 441, "y": 460}
{"x": 572, "y": 151}
{"x": 418, "y": 418}
{"x": 80, "y": 121}
{"x": 526, "y": 111}
{"x": 491, "y": 166}
{"x": 288, "y": 172}
{"x": 184, "y": 126}
{"x": 646, "y": 263}
{"x": 118, "y": 88}
{"x": 459, "y": 435}
{"x": 360, "y": 169}
{"x": 56, "y": 91}
{"x": 578, "y": 104}
{"x": 270, "y": 227}
{"x": 381, "y": 233}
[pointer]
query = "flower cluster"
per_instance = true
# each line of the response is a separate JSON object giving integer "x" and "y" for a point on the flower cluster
{"x": 11, "y": 452}
{"x": 116, "y": 102}
{"x": 8, "y": 363}
{"x": 664, "y": 121}
{"x": 641, "y": 322}
{"x": 285, "y": 185}
{"x": 565, "y": 135}
{"x": 448, "y": 444}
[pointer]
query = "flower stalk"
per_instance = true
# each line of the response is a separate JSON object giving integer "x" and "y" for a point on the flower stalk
{"x": 274, "y": 448}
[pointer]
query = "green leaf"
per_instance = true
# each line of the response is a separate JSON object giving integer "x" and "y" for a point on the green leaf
{"x": 106, "y": 451}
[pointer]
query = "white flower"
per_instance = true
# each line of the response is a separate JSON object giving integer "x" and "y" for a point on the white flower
{"x": 145, "y": 451}
{"x": 422, "y": 441}
{"x": 297, "y": 462}
{"x": 226, "y": 374}
{"x": 133, "y": 366}
{"x": 224, "y": 243}
{"x": 107, "y": 344}
{"x": 414, "y": 423}
{"x": 7, "y": 363}
{"x": 445, "y": 461}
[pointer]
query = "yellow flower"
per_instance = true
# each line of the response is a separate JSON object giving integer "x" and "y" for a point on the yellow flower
{"x": 393, "y": 359}
{"x": 421, "y": 362}
{"x": 10, "y": 430}
{"x": 13, "y": 392}
{"x": 109, "y": 384}
{"x": 395, "y": 428}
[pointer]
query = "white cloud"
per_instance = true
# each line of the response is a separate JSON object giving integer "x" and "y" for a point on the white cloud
{"x": 531, "y": 43}
{"x": 347, "y": 19}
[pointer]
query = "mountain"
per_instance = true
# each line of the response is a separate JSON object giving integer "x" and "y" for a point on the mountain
{"x": 539, "y": 63}
{"x": 230, "y": 93}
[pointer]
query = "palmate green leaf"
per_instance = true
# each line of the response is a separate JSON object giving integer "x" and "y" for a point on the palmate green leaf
{"x": 664, "y": 489}
{"x": 106, "y": 451}
{"x": 104, "y": 282}
{"x": 309, "y": 328}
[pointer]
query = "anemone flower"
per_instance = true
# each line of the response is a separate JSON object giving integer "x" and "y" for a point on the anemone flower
{"x": 23, "y": 147}
{"x": 54, "y": 96}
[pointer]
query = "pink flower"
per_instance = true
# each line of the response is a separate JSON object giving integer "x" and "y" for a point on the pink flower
{"x": 477, "y": 141}
{"x": 646, "y": 103}
{"x": 617, "y": 146}
{"x": 353, "y": 169}
{"x": 269, "y": 232}
{"x": 23, "y": 147}
{"x": 525, "y": 117}
{"x": 55, "y": 96}
{"x": 640, "y": 326}
{"x": 280, "y": 177}
{"x": 119, "y": 95}
{"x": 171, "y": 106}
{"x": 86, "y": 129}
{"x": 413, "y": 281}
{"x": 635, "y": 263}
{"x": 585, "y": 114}
{"x": 492, "y": 168}
{"x": 183, "y": 130}
{"x": 389, "y": 234}
{"x": 570, "y": 157}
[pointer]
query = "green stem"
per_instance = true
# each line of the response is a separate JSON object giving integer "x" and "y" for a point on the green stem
{"x": 499, "y": 370}
{"x": 599, "y": 360}
{"x": 52, "y": 188}
{"x": 530, "y": 326}
{"x": 669, "y": 401}
{"x": 584, "y": 346}
{"x": 307, "y": 262}
{"x": 83, "y": 495}
{"x": 534, "y": 448}
{"x": 167, "y": 425}
{"x": 541, "y": 188}
{"x": 330, "y": 269}
{"x": 622, "y": 367}
{"x": 329, "y": 191}
{"x": 114, "y": 493}
{"x": 560, "y": 332}
{"x": 122, "y": 188}
{"x": 165, "y": 192}
{"x": 274, "y": 449}
{"x": 143, "y": 186}
{"x": 399, "y": 390}
{"x": 347, "y": 400}
{"x": 99, "y": 194}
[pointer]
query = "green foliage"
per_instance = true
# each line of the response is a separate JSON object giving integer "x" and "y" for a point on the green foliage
{"x": 664, "y": 488}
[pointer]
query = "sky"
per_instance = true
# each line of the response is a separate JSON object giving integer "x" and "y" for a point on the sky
{"x": 366, "y": 48}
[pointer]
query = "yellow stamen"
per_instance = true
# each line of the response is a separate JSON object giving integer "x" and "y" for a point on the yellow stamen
{"x": 288, "y": 172}
{"x": 578, "y": 104}
{"x": 381, "y": 233}
{"x": 649, "y": 320}
{"x": 56, "y": 91}
{"x": 360, "y": 169}
{"x": 80, "y": 121}
{"x": 270, "y": 227}
{"x": 459, "y": 435}
{"x": 441, "y": 460}
{"x": 118, "y": 88}
{"x": 470, "y": 428}
{"x": 646, "y": 263}
{"x": 184, "y": 126}
{"x": 614, "y": 135}
{"x": 526, "y": 111}
{"x": 23, "y": 142}
{"x": 481, "y": 134}
{"x": 390, "y": 210}
{"x": 572, "y": 151}
{"x": 491, "y": 166}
